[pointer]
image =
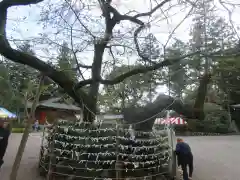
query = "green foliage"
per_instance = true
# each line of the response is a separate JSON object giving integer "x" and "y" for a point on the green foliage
{"x": 14, "y": 81}
{"x": 177, "y": 71}
{"x": 215, "y": 121}
{"x": 150, "y": 48}
{"x": 216, "y": 117}
{"x": 210, "y": 33}
{"x": 17, "y": 124}
{"x": 18, "y": 130}
{"x": 66, "y": 61}
{"x": 17, "y": 79}
{"x": 227, "y": 75}
{"x": 131, "y": 91}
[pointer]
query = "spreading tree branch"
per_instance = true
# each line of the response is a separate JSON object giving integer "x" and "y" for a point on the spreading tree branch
{"x": 144, "y": 69}
{"x": 79, "y": 65}
{"x": 153, "y": 10}
{"x": 20, "y": 57}
{"x": 135, "y": 38}
{"x": 9, "y": 3}
{"x": 106, "y": 7}
{"x": 75, "y": 57}
{"x": 79, "y": 20}
{"x": 140, "y": 70}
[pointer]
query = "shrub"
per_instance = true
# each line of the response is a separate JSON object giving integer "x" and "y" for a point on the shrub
{"x": 18, "y": 125}
{"x": 215, "y": 122}
{"x": 18, "y": 130}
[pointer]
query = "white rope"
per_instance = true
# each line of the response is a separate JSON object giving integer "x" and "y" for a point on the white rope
{"x": 113, "y": 153}
{"x": 122, "y": 129}
{"x": 84, "y": 105}
{"x": 87, "y": 177}
{"x": 108, "y": 161}
{"x": 153, "y": 115}
{"x": 133, "y": 169}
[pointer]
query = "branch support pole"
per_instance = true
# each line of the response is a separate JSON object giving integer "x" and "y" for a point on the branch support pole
{"x": 23, "y": 143}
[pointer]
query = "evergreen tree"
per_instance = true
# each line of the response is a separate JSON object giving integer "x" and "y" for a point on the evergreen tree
{"x": 21, "y": 75}
{"x": 151, "y": 53}
{"x": 150, "y": 47}
{"x": 66, "y": 61}
{"x": 210, "y": 33}
{"x": 15, "y": 79}
{"x": 204, "y": 15}
{"x": 177, "y": 71}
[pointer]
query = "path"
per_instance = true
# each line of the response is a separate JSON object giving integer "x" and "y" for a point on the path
{"x": 28, "y": 168}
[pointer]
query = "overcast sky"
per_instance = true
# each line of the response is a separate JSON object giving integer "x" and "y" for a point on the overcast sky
{"x": 23, "y": 22}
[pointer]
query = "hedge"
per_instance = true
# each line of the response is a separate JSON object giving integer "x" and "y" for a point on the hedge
{"x": 18, "y": 130}
{"x": 205, "y": 134}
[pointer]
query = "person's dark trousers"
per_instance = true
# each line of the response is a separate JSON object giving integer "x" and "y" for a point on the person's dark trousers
{"x": 187, "y": 161}
{"x": 185, "y": 172}
{"x": 190, "y": 165}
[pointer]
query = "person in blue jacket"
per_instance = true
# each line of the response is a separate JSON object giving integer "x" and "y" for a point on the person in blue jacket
{"x": 185, "y": 158}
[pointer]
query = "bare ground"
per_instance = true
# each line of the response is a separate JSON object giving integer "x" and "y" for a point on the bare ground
{"x": 215, "y": 158}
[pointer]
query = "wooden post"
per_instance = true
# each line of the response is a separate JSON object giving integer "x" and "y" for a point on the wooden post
{"x": 51, "y": 148}
{"x": 41, "y": 147}
{"x": 174, "y": 165}
{"x": 118, "y": 164}
{"x": 23, "y": 143}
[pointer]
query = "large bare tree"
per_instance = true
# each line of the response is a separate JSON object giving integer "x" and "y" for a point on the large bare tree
{"x": 112, "y": 17}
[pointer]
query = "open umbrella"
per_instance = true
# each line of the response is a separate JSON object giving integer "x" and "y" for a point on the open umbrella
{"x": 5, "y": 114}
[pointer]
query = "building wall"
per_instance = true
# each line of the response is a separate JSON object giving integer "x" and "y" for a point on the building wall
{"x": 52, "y": 115}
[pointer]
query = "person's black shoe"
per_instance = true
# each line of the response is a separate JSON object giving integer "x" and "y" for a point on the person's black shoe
{"x": 1, "y": 163}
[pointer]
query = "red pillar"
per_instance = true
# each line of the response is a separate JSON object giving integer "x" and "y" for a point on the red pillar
{"x": 42, "y": 118}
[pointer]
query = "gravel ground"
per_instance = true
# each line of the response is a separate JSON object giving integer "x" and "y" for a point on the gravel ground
{"x": 215, "y": 158}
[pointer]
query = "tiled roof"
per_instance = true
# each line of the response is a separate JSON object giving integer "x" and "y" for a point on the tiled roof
{"x": 53, "y": 103}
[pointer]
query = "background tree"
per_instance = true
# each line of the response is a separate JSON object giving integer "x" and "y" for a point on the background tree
{"x": 151, "y": 52}
{"x": 130, "y": 92}
{"x": 227, "y": 77}
{"x": 16, "y": 78}
{"x": 210, "y": 33}
{"x": 177, "y": 72}
{"x": 66, "y": 62}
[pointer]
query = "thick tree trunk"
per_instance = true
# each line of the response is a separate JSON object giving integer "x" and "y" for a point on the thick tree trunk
{"x": 201, "y": 95}
{"x": 31, "y": 118}
{"x": 89, "y": 113}
{"x": 144, "y": 117}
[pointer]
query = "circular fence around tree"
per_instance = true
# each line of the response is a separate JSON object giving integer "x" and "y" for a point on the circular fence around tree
{"x": 87, "y": 151}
